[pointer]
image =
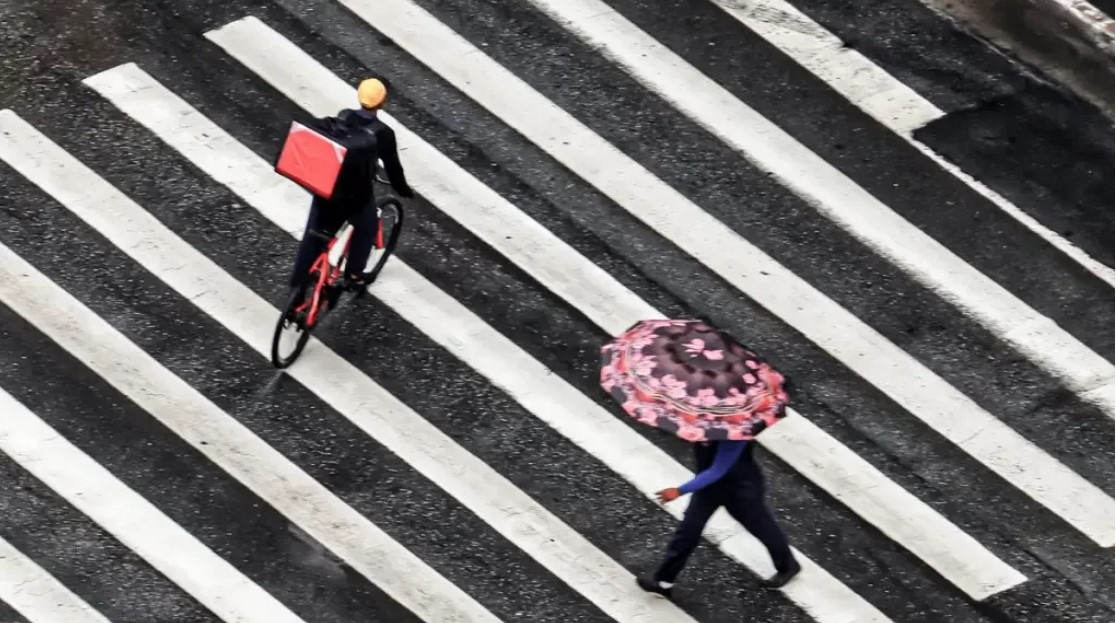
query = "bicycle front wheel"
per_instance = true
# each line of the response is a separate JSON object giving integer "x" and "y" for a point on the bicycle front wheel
{"x": 387, "y": 236}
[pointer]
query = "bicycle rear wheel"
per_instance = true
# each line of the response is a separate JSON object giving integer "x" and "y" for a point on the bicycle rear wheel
{"x": 387, "y": 236}
{"x": 284, "y": 351}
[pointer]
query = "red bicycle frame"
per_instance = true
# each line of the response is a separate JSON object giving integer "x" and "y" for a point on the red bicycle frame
{"x": 329, "y": 275}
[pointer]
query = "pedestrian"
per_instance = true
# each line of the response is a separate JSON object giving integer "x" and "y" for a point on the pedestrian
{"x": 695, "y": 381}
{"x": 728, "y": 476}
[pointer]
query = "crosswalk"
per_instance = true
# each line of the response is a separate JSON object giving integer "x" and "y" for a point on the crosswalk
{"x": 874, "y": 91}
{"x": 28, "y": 587}
{"x": 441, "y": 453}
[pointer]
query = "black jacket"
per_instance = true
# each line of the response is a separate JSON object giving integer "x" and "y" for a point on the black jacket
{"x": 385, "y": 150}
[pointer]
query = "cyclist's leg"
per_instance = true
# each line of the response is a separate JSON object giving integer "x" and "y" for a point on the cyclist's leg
{"x": 325, "y": 218}
{"x": 364, "y": 222}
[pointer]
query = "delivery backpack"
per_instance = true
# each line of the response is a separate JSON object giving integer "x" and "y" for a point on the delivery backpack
{"x": 329, "y": 157}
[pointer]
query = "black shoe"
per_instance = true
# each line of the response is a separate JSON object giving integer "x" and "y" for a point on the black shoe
{"x": 780, "y": 579}
{"x": 651, "y": 585}
{"x": 354, "y": 284}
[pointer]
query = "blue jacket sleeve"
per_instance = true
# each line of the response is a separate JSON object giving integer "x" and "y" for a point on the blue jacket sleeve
{"x": 727, "y": 454}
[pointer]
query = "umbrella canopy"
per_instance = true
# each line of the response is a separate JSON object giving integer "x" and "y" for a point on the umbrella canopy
{"x": 693, "y": 380}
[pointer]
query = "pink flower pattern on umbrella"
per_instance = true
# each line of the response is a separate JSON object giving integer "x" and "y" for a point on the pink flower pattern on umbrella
{"x": 691, "y": 433}
{"x": 643, "y": 365}
{"x": 690, "y": 379}
{"x": 708, "y": 397}
{"x": 672, "y": 386}
{"x": 696, "y": 347}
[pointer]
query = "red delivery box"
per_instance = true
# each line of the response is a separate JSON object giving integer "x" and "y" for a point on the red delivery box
{"x": 311, "y": 160}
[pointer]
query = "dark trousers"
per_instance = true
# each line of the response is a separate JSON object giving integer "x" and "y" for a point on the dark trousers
{"x": 327, "y": 217}
{"x": 744, "y": 504}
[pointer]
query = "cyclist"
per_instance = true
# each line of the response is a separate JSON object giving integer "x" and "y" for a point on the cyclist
{"x": 357, "y": 207}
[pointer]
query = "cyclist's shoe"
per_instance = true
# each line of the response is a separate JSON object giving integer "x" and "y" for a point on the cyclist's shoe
{"x": 355, "y": 284}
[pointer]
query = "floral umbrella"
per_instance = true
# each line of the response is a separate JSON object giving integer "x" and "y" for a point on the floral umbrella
{"x": 693, "y": 380}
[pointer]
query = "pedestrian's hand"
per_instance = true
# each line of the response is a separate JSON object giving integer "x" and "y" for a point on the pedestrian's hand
{"x": 668, "y": 495}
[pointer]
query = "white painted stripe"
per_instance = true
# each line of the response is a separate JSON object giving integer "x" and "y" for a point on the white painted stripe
{"x": 866, "y": 352}
{"x": 222, "y": 439}
{"x": 94, "y": 491}
{"x": 1092, "y": 17}
{"x": 513, "y": 514}
{"x": 770, "y": 148}
{"x": 846, "y": 70}
{"x": 827, "y": 189}
{"x": 448, "y": 322}
{"x": 24, "y": 585}
{"x": 1075, "y": 252}
{"x": 599, "y": 163}
{"x": 849, "y": 478}
{"x": 887, "y": 100}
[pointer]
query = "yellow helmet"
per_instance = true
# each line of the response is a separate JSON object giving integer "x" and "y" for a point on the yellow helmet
{"x": 371, "y": 93}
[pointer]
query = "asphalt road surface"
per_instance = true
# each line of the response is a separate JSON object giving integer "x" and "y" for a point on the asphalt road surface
{"x": 913, "y": 228}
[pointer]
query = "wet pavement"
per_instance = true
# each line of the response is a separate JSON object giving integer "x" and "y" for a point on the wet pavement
{"x": 1046, "y": 152}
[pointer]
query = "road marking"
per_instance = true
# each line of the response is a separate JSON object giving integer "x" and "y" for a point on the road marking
{"x": 602, "y": 165}
{"x": 557, "y": 266}
{"x": 432, "y": 311}
{"x": 222, "y": 439}
{"x": 924, "y": 394}
{"x": 887, "y": 100}
{"x": 98, "y": 494}
{"x": 512, "y": 513}
{"x": 1084, "y": 11}
{"x": 24, "y": 585}
{"x": 846, "y": 70}
{"x": 771, "y": 149}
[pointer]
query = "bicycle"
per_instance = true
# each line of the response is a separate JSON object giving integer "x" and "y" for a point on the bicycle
{"x": 324, "y": 280}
